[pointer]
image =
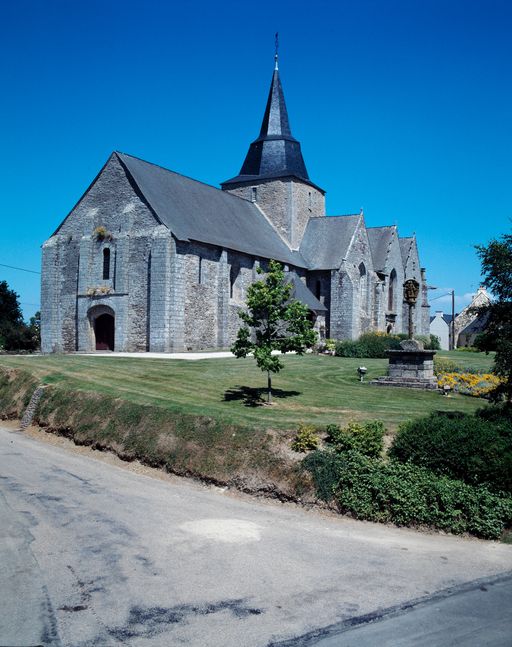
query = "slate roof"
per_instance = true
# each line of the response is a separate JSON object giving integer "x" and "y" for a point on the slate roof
{"x": 380, "y": 240}
{"x": 196, "y": 211}
{"x": 479, "y": 324}
{"x": 446, "y": 317}
{"x": 303, "y": 294}
{"x": 275, "y": 153}
{"x": 326, "y": 241}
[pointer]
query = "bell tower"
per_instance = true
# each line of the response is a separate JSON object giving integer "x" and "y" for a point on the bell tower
{"x": 274, "y": 174}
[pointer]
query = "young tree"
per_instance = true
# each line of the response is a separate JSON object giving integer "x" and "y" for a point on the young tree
{"x": 496, "y": 261}
{"x": 273, "y": 322}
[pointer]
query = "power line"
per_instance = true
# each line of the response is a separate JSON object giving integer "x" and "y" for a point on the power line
{"x": 21, "y": 269}
{"x": 442, "y": 295}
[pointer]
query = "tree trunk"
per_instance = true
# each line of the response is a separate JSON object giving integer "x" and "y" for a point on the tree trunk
{"x": 269, "y": 387}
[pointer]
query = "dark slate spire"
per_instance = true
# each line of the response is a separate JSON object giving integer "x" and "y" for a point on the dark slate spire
{"x": 276, "y": 153}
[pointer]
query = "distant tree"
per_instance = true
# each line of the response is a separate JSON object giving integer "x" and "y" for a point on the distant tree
{"x": 14, "y": 333}
{"x": 273, "y": 322}
{"x": 496, "y": 259}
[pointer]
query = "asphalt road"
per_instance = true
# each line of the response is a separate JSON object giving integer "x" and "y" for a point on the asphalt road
{"x": 93, "y": 554}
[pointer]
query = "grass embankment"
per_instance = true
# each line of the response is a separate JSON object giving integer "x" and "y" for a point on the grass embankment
{"x": 313, "y": 389}
{"x": 201, "y": 418}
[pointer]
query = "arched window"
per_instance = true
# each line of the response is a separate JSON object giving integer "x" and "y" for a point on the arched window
{"x": 392, "y": 291}
{"x": 106, "y": 263}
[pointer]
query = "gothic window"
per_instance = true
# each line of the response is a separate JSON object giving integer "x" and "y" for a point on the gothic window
{"x": 392, "y": 291}
{"x": 106, "y": 263}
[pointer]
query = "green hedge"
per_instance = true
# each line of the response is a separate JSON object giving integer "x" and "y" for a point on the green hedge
{"x": 375, "y": 345}
{"x": 406, "y": 495}
{"x": 365, "y": 437}
{"x": 465, "y": 447}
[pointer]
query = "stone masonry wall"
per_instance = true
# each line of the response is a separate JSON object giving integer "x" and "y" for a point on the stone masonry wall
{"x": 72, "y": 267}
{"x": 353, "y": 294}
{"x": 421, "y": 319}
{"x": 288, "y": 203}
{"x": 394, "y": 262}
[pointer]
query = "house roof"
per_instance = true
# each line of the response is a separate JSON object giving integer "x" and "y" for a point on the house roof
{"x": 479, "y": 324}
{"x": 380, "y": 240}
{"x": 275, "y": 153}
{"x": 303, "y": 294}
{"x": 446, "y": 317}
{"x": 326, "y": 241}
{"x": 196, "y": 211}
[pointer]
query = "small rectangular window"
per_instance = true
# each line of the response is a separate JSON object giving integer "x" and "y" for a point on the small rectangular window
{"x": 200, "y": 277}
{"x": 106, "y": 264}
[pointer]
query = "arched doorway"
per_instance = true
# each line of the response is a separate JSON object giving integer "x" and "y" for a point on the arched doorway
{"x": 104, "y": 332}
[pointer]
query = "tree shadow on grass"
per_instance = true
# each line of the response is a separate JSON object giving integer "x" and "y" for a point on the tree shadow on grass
{"x": 255, "y": 397}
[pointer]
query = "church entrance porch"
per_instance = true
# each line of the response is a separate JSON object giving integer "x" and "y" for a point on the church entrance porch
{"x": 102, "y": 322}
{"x": 104, "y": 327}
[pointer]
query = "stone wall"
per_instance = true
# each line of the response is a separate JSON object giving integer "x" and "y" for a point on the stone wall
{"x": 288, "y": 203}
{"x": 72, "y": 267}
{"x": 421, "y": 312}
{"x": 353, "y": 290}
{"x": 394, "y": 263}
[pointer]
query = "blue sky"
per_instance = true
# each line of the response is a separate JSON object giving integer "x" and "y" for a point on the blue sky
{"x": 402, "y": 107}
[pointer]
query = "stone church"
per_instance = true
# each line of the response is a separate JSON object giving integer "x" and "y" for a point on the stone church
{"x": 151, "y": 260}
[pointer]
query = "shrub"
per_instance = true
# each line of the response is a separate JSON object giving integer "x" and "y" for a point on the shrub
{"x": 430, "y": 342}
{"x": 442, "y": 365}
{"x": 364, "y": 437}
{"x": 101, "y": 233}
{"x": 372, "y": 344}
{"x": 405, "y": 494}
{"x": 376, "y": 344}
{"x": 466, "y": 447}
{"x": 305, "y": 439}
{"x": 468, "y": 349}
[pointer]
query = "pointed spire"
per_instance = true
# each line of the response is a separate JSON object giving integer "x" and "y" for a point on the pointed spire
{"x": 275, "y": 153}
{"x": 275, "y": 120}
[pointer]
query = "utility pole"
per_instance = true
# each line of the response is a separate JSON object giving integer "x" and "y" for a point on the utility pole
{"x": 452, "y": 336}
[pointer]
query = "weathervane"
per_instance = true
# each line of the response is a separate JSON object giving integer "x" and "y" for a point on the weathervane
{"x": 277, "y": 49}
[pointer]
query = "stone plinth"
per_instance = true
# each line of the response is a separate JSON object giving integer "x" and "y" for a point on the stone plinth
{"x": 411, "y": 367}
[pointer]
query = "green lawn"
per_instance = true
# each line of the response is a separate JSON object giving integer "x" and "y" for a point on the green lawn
{"x": 316, "y": 389}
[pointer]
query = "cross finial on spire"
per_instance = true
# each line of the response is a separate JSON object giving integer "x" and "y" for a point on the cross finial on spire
{"x": 276, "y": 67}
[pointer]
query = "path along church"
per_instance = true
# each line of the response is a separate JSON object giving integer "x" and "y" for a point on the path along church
{"x": 151, "y": 260}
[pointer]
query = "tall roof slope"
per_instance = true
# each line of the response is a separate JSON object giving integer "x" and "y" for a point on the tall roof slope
{"x": 196, "y": 211}
{"x": 326, "y": 241}
{"x": 275, "y": 153}
{"x": 380, "y": 240}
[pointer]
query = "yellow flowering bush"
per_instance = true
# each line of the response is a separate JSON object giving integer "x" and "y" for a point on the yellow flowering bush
{"x": 478, "y": 385}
